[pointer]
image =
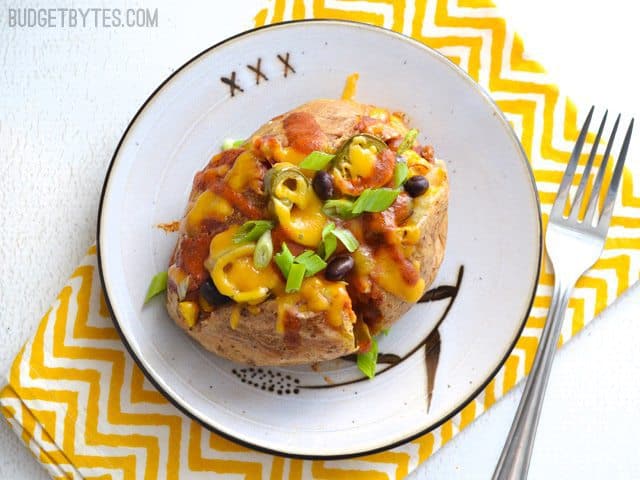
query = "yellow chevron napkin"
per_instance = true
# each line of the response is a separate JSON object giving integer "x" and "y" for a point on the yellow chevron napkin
{"x": 85, "y": 410}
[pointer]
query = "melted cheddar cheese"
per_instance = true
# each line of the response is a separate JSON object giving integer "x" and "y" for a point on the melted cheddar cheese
{"x": 272, "y": 150}
{"x": 398, "y": 125}
{"x": 207, "y": 205}
{"x": 317, "y": 295}
{"x": 362, "y": 160}
{"x": 350, "y": 85}
{"x": 298, "y": 209}
{"x": 221, "y": 243}
{"x": 381, "y": 114}
{"x": 234, "y": 274}
{"x": 188, "y": 312}
{"x": 234, "y": 319}
{"x": 245, "y": 173}
{"x": 303, "y": 225}
{"x": 288, "y": 200}
{"x": 436, "y": 176}
{"x": 289, "y": 155}
{"x": 387, "y": 274}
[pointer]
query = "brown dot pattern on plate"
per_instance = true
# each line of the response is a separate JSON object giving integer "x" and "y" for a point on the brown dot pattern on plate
{"x": 268, "y": 380}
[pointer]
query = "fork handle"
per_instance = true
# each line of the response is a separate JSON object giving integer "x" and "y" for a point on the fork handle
{"x": 514, "y": 460}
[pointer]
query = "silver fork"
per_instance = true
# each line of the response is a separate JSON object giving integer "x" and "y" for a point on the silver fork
{"x": 573, "y": 245}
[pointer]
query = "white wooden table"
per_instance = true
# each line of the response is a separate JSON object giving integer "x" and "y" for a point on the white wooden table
{"x": 66, "y": 96}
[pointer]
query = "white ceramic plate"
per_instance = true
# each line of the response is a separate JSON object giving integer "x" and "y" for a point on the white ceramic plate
{"x": 483, "y": 291}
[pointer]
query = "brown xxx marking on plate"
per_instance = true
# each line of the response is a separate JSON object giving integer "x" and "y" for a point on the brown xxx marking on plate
{"x": 233, "y": 85}
{"x": 259, "y": 73}
{"x": 287, "y": 65}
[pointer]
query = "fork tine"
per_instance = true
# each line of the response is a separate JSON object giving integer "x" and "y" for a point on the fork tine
{"x": 595, "y": 191}
{"x": 610, "y": 199}
{"x": 577, "y": 201}
{"x": 563, "y": 191}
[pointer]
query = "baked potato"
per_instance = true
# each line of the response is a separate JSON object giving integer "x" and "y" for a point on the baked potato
{"x": 315, "y": 234}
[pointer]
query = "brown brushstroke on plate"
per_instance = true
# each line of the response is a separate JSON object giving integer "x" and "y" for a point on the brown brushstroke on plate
{"x": 383, "y": 358}
{"x": 439, "y": 293}
{"x": 431, "y": 359}
{"x": 431, "y": 342}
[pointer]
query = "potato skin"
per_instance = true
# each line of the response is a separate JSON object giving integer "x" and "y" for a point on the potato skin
{"x": 255, "y": 340}
{"x": 430, "y": 250}
{"x": 338, "y": 120}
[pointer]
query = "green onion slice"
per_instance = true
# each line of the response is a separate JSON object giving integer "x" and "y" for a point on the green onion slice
{"x": 329, "y": 242}
{"x": 230, "y": 143}
{"x": 252, "y": 230}
{"x": 157, "y": 286}
{"x": 316, "y": 160}
{"x": 400, "y": 173}
{"x": 264, "y": 251}
{"x": 375, "y": 200}
{"x": 304, "y": 255}
{"x": 367, "y": 361}
{"x": 328, "y": 247}
{"x": 284, "y": 260}
{"x": 328, "y": 228}
{"x": 347, "y": 239}
{"x": 295, "y": 277}
{"x": 338, "y": 208}
{"x": 311, "y": 261}
{"x": 407, "y": 141}
{"x": 330, "y": 235}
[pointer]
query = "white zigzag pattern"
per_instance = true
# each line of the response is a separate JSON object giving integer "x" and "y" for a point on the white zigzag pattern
{"x": 430, "y": 30}
{"x": 113, "y": 473}
{"x": 359, "y": 6}
{"x": 263, "y": 459}
{"x": 558, "y": 142}
{"x": 507, "y": 72}
{"x": 82, "y": 389}
{"x": 409, "y": 13}
{"x": 462, "y": 52}
{"x": 126, "y": 406}
{"x": 16, "y": 424}
{"x": 458, "y": 11}
{"x": 413, "y": 450}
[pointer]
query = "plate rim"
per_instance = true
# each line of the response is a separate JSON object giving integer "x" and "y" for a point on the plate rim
{"x": 458, "y": 408}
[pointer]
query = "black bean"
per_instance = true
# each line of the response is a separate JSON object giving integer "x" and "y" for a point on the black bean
{"x": 416, "y": 185}
{"x": 339, "y": 267}
{"x": 323, "y": 185}
{"x": 211, "y": 294}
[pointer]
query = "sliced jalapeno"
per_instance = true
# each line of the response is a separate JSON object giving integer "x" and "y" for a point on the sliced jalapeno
{"x": 285, "y": 182}
{"x": 364, "y": 140}
{"x": 361, "y": 163}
